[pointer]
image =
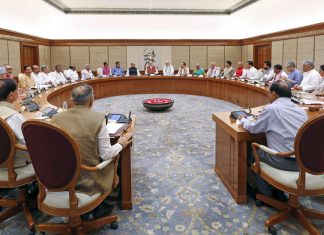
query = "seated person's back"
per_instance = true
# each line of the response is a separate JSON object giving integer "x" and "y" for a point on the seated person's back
{"x": 90, "y": 132}
{"x": 8, "y": 95}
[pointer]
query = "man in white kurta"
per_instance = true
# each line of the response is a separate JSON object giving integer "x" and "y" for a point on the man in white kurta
{"x": 251, "y": 72}
{"x": 86, "y": 73}
{"x": 311, "y": 78}
{"x": 58, "y": 76}
{"x": 168, "y": 69}
{"x": 71, "y": 74}
{"x": 213, "y": 71}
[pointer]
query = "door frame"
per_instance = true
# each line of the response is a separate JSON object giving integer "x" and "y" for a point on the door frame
{"x": 269, "y": 44}
{"x": 22, "y": 44}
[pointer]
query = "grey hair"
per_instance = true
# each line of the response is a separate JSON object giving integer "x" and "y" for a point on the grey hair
{"x": 44, "y": 66}
{"x": 291, "y": 64}
{"x": 240, "y": 63}
{"x": 309, "y": 62}
{"x": 81, "y": 94}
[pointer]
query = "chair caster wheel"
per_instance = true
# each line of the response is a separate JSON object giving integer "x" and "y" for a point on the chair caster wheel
{"x": 114, "y": 225}
{"x": 272, "y": 230}
{"x": 258, "y": 203}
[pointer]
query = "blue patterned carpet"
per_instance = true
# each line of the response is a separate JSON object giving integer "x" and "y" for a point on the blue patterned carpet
{"x": 175, "y": 188}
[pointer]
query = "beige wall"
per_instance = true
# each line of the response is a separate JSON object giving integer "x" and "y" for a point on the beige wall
{"x": 289, "y": 51}
{"x": 198, "y": 54}
{"x": 60, "y": 55}
{"x": 216, "y": 54}
{"x": 298, "y": 50}
{"x": 276, "y": 52}
{"x": 305, "y": 50}
{"x": 247, "y": 53}
{"x": 10, "y": 54}
{"x": 233, "y": 53}
{"x": 44, "y": 55}
{"x": 319, "y": 51}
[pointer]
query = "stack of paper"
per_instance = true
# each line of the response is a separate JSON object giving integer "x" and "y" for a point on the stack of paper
{"x": 114, "y": 127}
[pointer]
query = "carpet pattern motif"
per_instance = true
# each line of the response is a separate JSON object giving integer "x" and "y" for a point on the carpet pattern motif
{"x": 175, "y": 189}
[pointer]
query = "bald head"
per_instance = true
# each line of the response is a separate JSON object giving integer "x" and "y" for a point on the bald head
{"x": 81, "y": 94}
{"x": 281, "y": 88}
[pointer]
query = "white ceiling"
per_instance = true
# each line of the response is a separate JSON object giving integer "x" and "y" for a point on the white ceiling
{"x": 38, "y": 18}
{"x": 151, "y": 4}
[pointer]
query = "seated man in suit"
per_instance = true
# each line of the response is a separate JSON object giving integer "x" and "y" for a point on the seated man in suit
{"x": 90, "y": 132}
{"x": 280, "y": 121}
{"x": 8, "y": 95}
{"x": 133, "y": 71}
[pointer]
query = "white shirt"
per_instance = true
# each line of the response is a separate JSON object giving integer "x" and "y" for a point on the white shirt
{"x": 86, "y": 74}
{"x": 311, "y": 80}
{"x": 319, "y": 89}
{"x": 168, "y": 70}
{"x": 39, "y": 82}
{"x": 69, "y": 73}
{"x": 279, "y": 75}
{"x": 45, "y": 78}
{"x": 106, "y": 151}
{"x": 268, "y": 75}
{"x": 183, "y": 72}
{"x": 58, "y": 77}
{"x": 252, "y": 73}
{"x": 213, "y": 72}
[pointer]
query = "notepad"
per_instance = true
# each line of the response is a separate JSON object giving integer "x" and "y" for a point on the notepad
{"x": 308, "y": 102}
{"x": 114, "y": 127}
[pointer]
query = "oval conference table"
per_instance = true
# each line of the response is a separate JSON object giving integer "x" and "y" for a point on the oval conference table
{"x": 231, "y": 139}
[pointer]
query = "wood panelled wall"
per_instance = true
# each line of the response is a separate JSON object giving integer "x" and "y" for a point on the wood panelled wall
{"x": 295, "y": 44}
{"x": 96, "y": 55}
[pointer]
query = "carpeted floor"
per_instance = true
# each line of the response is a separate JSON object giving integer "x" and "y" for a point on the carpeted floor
{"x": 175, "y": 188}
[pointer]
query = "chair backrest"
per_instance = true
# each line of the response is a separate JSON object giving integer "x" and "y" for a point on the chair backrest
{"x": 55, "y": 155}
{"x": 7, "y": 140}
{"x": 309, "y": 147}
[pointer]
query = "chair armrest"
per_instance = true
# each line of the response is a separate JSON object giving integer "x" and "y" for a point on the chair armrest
{"x": 21, "y": 147}
{"x": 255, "y": 146}
{"x": 97, "y": 167}
{"x": 268, "y": 150}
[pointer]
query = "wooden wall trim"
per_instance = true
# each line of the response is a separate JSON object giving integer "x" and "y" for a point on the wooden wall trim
{"x": 305, "y": 31}
{"x": 16, "y": 36}
{"x": 144, "y": 42}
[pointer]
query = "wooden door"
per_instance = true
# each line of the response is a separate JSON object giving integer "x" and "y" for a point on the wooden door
{"x": 261, "y": 53}
{"x": 28, "y": 55}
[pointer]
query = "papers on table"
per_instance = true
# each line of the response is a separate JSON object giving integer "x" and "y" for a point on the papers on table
{"x": 309, "y": 102}
{"x": 114, "y": 127}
